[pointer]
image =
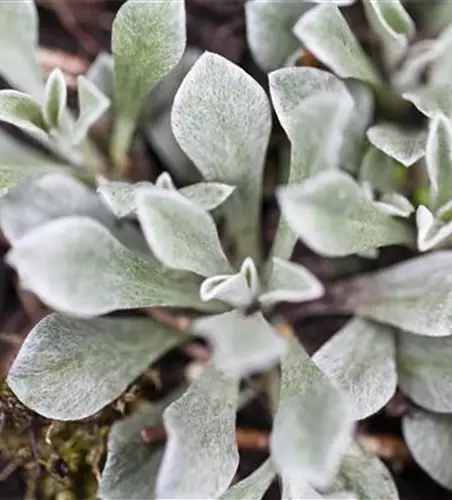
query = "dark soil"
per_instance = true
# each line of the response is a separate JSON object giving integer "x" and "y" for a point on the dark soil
{"x": 83, "y": 29}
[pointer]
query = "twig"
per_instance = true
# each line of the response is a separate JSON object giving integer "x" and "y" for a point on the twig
{"x": 70, "y": 65}
{"x": 386, "y": 446}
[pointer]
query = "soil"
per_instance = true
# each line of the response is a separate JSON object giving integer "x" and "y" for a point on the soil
{"x": 83, "y": 29}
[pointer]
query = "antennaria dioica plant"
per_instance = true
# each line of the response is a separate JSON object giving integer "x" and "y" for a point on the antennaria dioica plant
{"x": 357, "y": 179}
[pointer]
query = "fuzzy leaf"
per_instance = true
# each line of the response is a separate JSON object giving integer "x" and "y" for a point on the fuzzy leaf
{"x": 253, "y": 486}
{"x": 432, "y": 232}
{"x": 19, "y": 41}
{"x": 113, "y": 277}
{"x": 360, "y": 360}
{"x": 432, "y": 99}
{"x": 132, "y": 465}
{"x": 354, "y": 140}
{"x": 332, "y": 200}
{"x": 269, "y": 30}
{"x": 56, "y": 195}
{"x": 415, "y": 295}
{"x": 180, "y": 234}
{"x": 238, "y": 290}
{"x": 438, "y": 159}
{"x": 92, "y": 105}
{"x": 148, "y": 40}
{"x": 290, "y": 282}
{"x": 55, "y": 99}
{"x": 392, "y": 25}
{"x": 325, "y": 32}
{"x": 290, "y": 87}
{"x": 379, "y": 170}
{"x": 405, "y": 146}
{"x": 201, "y": 454}
{"x": 395, "y": 204}
{"x": 313, "y": 425}
{"x": 208, "y": 195}
{"x": 217, "y": 95}
{"x": 367, "y": 476}
{"x": 425, "y": 374}
{"x": 429, "y": 438}
{"x": 24, "y": 112}
{"x": 60, "y": 369}
{"x": 242, "y": 344}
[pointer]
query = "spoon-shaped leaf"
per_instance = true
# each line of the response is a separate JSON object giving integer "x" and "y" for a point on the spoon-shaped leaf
{"x": 360, "y": 360}
{"x": 180, "y": 234}
{"x": 415, "y": 295}
{"x": 201, "y": 454}
{"x": 148, "y": 40}
{"x": 331, "y": 200}
{"x": 425, "y": 373}
{"x": 60, "y": 369}
{"x": 313, "y": 425}
{"x": 429, "y": 438}
{"x": 221, "y": 118}
{"x": 91, "y": 273}
{"x": 19, "y": 42}
{"x": 55, "y": 99}
{"x": 325, "y": 32}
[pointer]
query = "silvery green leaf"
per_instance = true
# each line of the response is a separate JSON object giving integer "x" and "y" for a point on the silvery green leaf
{"x": 179, "y": 233}
{"x": 55, "y": 99}
{"x": 269, "y": 30}
{"x": 354, "y": 140}
{"x": 60, "y": 369}
{"x": 217, "y": 95}
{"x": 92, "y": 105}
{"x": 395, "y": 204}
{"x": 253, "y": 486}
{"x": 360, "y": 360}
{"x": 120, "y": 196}
{"x": 238, "y": 290}
{"x": 290, "y": 282}
{"x": 201, "y": 454}
{"x": 24, "y": 112}
{"x": 418, "y": 59}
{"x": 415, "y": 296}
{"x": 132, "y": 465}
{"x": 314, "y": 108}
{"x": 101, "y": 74}
{"x": 438, "y": 160}
{"x": 55, "y": 195}
{"x": 441, "y": 69}
{"x": 290, "y": 87}
{"x": 333, "y": 199}
{"x": 241, "y": 344}
{"x": 19, "y": 41}
{"x": 313, "y": 424}
{"x": 431, "y": 231}
{"x": 148, "y": 40}
{"x": 113, "y": 276}
{"x": 432, "y": 99}
{"x": 208, "y": 195}
{"x": 325, "y": 32}
{"x": 367, "y": 476}
{"x": 424, "y": 369}
{"x": 429, "y": 439}
{"x": 165, "y": 181}
{"x": 393, "y": 26}
{"x": 405, "y": 146}
{"x": 378, "y": 170}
